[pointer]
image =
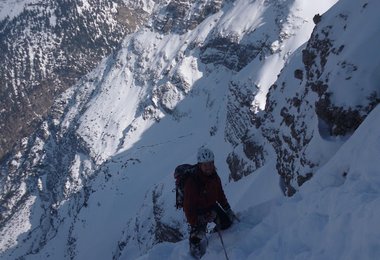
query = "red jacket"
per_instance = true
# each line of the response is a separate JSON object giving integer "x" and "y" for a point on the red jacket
{"x": 201, "y": 194}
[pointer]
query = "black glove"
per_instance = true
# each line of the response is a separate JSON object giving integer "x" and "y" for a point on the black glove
{"x": 230, "y": 214}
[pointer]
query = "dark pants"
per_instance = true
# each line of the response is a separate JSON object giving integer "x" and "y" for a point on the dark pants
{"x": 197, "y": 233}
{"x": 221, "y": 220}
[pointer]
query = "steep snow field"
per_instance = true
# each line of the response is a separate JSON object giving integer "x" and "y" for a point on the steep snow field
{"x": 334, "y": 216}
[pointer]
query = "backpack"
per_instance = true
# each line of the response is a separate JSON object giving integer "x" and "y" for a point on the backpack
{"x": 181, "y": 174}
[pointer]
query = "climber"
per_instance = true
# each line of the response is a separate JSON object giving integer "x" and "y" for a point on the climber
{"x": 205, "y": 202}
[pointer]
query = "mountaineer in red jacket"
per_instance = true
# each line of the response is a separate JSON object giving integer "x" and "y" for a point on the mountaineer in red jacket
{"x": 205, "y": 201}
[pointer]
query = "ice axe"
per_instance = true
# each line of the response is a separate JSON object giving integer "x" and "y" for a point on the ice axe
{"x": 221, "y": 238}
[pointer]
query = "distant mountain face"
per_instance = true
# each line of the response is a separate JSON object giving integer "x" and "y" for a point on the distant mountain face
{"x": 319, "y": 99}
{"x": 198, "y": 70}
{"x": 46, "y": 47}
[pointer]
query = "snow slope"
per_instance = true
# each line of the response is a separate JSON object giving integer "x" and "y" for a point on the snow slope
{"x": 11, "y": 8}
{"x": 333, "y": 216}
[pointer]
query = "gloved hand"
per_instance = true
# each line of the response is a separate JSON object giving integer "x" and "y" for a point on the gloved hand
{"x": 230, "y": 214}
{"x": 210, "y": 216}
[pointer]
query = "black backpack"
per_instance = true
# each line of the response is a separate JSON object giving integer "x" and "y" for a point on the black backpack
{"x": 181, "y": 174}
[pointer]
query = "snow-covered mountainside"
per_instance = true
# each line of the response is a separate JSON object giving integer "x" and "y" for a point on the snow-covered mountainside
{"x": 46, "y": 46}
{"x": 284, "y": 92}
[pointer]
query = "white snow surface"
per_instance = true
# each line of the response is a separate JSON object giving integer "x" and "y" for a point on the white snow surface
{"x": 335, "y": 215}
{"x": 12, "y": 8}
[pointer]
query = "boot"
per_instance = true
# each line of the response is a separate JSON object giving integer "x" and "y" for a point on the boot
{"x": 197, "y": 249}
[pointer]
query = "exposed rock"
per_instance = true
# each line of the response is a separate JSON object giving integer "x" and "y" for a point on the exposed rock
{"x": 316, "y": 102}
{"x": 231, "y": 54}
{"x": 181, "y": 16}
{"x": 163, "y": 232}
{"x": 317, "y": 18}
{"x": 246, "y": 158}
{"x": 146, "y": 231}
{"x": 239, "y": 104}
{"x": 298, "y": 74}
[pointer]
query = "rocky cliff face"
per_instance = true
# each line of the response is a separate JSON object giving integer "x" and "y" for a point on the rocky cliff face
{"x": 46, "y": 48}
{"x": 181, "y": 16}
{"x": 313, "y": 107}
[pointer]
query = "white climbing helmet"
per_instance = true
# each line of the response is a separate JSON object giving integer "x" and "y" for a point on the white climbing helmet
{"x": 205, "y": 155}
